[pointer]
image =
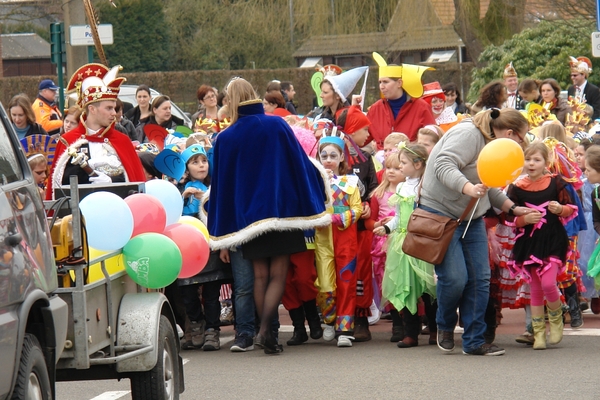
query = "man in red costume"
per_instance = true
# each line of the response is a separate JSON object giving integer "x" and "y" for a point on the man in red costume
{"x": 401, "y": 109}
{"x": 94, "y": 150}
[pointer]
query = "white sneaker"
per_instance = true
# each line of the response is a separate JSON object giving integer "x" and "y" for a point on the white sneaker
{"x": 345, "y": 341}
{"x": 375, "y": 314}
{"x": 328, "y": 332}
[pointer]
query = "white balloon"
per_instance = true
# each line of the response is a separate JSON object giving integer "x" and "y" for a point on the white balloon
{"x": 169, "y": 197}
{"x": 108, "y": 220}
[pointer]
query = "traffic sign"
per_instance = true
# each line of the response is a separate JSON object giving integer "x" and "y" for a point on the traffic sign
{"x": 596, "y": 44}
{"x": 81, "y": 35}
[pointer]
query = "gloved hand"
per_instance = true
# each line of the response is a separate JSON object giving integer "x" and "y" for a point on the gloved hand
{"x": 336, "y": 220}
{"x": 100, "y": 178}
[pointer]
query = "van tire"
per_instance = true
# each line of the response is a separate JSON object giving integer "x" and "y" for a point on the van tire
{"x": 33, "y": 375}
{"x": 162, "y": 381}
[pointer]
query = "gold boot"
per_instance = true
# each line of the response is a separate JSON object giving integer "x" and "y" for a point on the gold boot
{"x": 539, "y": 332}
{"x": 555, "y": 317}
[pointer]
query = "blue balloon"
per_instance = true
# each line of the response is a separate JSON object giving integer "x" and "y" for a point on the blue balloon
{"x": 169, "y": 197}
{"x": 108, "y": 220}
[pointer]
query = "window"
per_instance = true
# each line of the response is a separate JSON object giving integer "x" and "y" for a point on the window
{"x": 9, "y": 165}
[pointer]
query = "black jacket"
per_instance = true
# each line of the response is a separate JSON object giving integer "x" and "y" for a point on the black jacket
{"x": 592, "y": 97}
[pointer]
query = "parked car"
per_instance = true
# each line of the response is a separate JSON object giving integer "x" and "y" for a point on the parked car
{"x": 127, "y": 94}
{"x": 33, "y": 319}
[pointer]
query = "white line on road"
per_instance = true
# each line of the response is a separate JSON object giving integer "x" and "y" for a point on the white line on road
{"x": 112, "y": 395}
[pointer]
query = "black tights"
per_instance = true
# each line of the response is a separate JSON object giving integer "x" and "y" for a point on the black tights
{"x": 269, "y": 284}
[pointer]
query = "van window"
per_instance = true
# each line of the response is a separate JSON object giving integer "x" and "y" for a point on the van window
{"x": 9, "y": 165}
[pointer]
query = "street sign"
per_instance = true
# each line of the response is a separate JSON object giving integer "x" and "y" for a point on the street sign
{"x": 81, "y": 35}
{"x": 596, "y": 44}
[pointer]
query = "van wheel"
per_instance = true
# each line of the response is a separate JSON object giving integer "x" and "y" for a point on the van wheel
{"x": 33, "y": 381}
{"x": 162, "y": 381}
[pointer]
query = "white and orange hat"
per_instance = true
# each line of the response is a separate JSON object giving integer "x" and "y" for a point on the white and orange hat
{"x": 581, "y": 65}
{"x": 509, "y": 71}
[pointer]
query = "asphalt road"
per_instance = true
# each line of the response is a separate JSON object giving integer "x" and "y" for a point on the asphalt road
{"x": 379, "y": 370}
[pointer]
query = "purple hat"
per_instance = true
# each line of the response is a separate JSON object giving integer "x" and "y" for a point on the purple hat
{"x": 47, "y": 84}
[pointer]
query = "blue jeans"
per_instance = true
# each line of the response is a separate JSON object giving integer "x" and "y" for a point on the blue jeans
{"x": 243, "y": 293}
{"x": 464, "y": 283}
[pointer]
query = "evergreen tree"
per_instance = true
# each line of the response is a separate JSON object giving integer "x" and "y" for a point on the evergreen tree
{"x": 141, "y": 35}
{"x": 540, "y": 52}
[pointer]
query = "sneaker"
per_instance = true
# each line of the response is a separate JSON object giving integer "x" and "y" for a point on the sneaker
{"x": 345, "y": 341}
{"x": 445, "y": 340}
{"x": 328, "y": 332}
{"x": 211, "y": 340}
{"x": 226, "y": 315}
{"x": 242, "y": 343}
{"x": 197, "y": 332}
{"x": 486, "y": 350}
{"x": 526, "y": 338}
{"x": 375, "y": 314}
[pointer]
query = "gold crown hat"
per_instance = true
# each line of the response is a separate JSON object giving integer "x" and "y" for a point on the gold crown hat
{"x": 410, "y": 75}
{"x": 580, "y": 65}
{"x": 94, "y": 83}
{"x": 509, "y": 70}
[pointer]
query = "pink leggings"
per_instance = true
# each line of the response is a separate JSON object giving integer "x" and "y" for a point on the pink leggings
{"x": 544, "y": 286}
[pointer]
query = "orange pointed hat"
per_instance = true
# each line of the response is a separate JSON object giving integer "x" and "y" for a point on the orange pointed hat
{"x": 94, "y": 83}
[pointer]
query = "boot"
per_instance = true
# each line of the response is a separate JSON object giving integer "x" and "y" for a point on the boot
{"x": 361, "y": 329}
{"x": 556, "y": 325}
{"x": 539, "y": 333}
{"x": 314, "y": 321}
{"x": 299, "y": 336}
{"x": 397, "y": 334}
{"x": 574, "y": 311}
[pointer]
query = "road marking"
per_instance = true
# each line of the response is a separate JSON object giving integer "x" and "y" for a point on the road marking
{"x": 581, "y": 332}
{"x": 112, "y": 395}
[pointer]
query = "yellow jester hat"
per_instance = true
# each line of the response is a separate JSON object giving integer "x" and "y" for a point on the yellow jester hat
{"x": 410, "y": 75}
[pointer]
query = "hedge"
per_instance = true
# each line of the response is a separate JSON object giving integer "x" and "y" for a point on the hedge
{"x": 182, "y": 86}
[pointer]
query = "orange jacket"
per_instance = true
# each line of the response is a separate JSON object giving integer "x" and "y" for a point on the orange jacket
{"x": 47, "y": 115}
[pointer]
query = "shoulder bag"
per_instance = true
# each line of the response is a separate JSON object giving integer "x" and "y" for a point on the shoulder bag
{"x": 428, "y": 235}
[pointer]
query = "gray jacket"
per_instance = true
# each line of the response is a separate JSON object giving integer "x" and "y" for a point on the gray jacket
{"x": 452, "y": 163}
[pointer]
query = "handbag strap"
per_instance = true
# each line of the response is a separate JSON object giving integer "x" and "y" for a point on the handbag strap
{"x": 465, "y": 213}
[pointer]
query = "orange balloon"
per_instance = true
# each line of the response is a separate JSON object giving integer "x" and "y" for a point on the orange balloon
{"x": 500, "y": 162}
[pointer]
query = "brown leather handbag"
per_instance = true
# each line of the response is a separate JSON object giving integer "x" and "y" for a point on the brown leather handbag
{"x": 429, "y": 235}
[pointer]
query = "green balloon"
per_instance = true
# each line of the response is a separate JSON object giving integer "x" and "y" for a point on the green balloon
{"x": 152, "y": 260}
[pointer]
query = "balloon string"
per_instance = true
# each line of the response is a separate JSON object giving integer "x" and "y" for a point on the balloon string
{"x": 470, "y": 218}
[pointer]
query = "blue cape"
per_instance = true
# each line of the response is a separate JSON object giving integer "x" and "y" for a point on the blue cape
{"x": 262, "y": 181}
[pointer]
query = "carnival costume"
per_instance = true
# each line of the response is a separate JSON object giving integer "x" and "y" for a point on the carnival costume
{"x": 339, "y": 306}
{"x": 109, "y": 151}
{"x": 380, "y": 209}
{"x": 539, "y": 244}
{"x": 286, "y": 193}
{"x": 406, "y": 278}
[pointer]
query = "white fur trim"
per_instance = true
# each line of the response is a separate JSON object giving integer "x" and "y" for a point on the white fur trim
{"x": 61, "y": 162}
{"x": 275, "y": 224}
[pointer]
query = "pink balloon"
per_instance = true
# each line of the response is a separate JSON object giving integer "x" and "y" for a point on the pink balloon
{"x": 149, "y": 215}
{"x": 193, "y": 246}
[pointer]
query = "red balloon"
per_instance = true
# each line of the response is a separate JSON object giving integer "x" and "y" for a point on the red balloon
{"x": 193, "y": 246}
{"x": 149, "y": 215}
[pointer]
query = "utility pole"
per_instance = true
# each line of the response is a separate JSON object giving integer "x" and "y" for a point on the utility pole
{"x": 74, "y": 14}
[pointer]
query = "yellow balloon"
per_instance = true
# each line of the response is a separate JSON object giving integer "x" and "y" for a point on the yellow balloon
{"x": 196, "y": 223}
{"x": 500, "y": 163}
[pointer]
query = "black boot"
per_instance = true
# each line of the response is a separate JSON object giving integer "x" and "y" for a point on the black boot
{"x": 314, "y": 321}
{"x": 573, "y": 304}
{"x": 299, "y": 336}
